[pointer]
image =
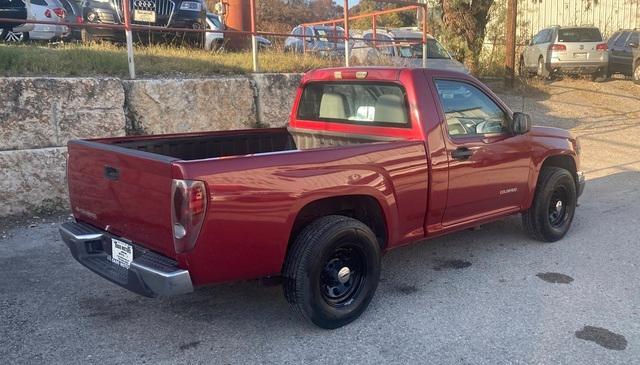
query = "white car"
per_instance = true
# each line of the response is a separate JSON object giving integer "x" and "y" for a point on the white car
{"x": 402, "y": 47}
{"x": 214, "y": 41}
{"x": 16, "y": 33}
{"x": 45, "y": 10}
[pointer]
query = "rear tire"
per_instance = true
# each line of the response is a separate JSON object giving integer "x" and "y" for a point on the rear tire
{"x": 85, "y": 36}
{"x": 600, "y": 76}
{"x": 9, "y": 36}
{"x": 542, "y": 71}
{"x": 332, "y": 271}
{"x": 554, "y": 204}
{"x": 636, "y": 73}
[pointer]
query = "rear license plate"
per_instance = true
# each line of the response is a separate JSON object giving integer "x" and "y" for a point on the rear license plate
{"x": 121, "y": 253}
{"x": 148, "y": 16}
{"x": 580, "y": 56}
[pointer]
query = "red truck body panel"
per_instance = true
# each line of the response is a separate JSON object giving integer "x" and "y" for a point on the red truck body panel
{"x": 253, "y": 200}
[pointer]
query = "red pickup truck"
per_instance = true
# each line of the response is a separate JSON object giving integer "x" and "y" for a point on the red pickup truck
{"x": 372, "y": 159}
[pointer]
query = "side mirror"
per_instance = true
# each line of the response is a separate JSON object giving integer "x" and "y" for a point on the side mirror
{"x": 521, "y": 123}
{"x": 633, "y": 44}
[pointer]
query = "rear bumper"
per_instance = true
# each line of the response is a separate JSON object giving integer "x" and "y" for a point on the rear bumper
{"x": 578, "y": 67}
{"x": 149, "y": 274}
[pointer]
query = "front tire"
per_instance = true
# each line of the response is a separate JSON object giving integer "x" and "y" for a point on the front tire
{"x": 553, "y": 207}
{"x": 332, "y": 271}
{"x": 636, "y": 73}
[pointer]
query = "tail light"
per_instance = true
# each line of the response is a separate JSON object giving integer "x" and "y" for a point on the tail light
{"x": 47, "y": 13}
{"x": 557, "y": 47}
{"x": 602, "y": 47}
{"x": 79, "y": 20}
{"x": 189, "y": 199}
{"x": 60, "y": 12}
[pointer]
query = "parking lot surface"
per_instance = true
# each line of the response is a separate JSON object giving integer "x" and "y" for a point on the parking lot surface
{"x": 486, "y": 296}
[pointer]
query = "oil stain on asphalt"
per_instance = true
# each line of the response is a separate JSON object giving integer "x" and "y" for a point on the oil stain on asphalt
{"x": 555, "y": 278}
{"x": 190, "y": 345}
{"x": 602, "y": 337}
{"x": 451, "y": 264}
{"x": 406, "y": 289}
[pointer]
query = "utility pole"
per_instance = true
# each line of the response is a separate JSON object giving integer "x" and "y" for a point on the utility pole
{"x": 510, "y": 43}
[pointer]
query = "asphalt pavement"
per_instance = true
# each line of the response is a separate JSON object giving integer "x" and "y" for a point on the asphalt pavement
{"x": 486, "y": 296}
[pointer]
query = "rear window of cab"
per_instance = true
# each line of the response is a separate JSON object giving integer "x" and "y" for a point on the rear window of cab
{"x": 370, "y": 104}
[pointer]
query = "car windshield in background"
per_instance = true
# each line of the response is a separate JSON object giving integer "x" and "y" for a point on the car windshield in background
{"x": 569, "y": 35}
{"x": 215, "y": 20}
{"x": 329, "y": 35}
{"x": 434, "y": 50}
{"x": 355, "y": 103}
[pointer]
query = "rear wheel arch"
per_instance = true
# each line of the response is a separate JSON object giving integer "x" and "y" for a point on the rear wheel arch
{"x": 364, "y": 208}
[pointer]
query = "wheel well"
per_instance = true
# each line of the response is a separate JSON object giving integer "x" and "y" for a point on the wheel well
{"x": 361, "y": 207}
{"x": 564, "y": 162}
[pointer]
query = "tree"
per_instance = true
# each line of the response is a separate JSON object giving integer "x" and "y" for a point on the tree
{"x": 466, "y": 20}
{"x": 393, "y": 20}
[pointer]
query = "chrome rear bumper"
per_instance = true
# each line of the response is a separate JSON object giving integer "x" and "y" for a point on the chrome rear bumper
{"x": 149, "y": 274}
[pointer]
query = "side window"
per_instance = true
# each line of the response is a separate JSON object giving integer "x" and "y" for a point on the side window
{"x": 549, "y": 36}
{"x": 296, "y": 31}
{"x": 612, "y": 39}
{"x": 635, "y": 38}
{"x": 469, "y": 111}
{"x": 536, "y": 38}
{"x": 622, "y": 39}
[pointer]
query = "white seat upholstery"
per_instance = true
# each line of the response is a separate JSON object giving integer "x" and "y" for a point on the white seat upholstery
{"x": 333, "y": 106}
{"x": 390, "y": 109}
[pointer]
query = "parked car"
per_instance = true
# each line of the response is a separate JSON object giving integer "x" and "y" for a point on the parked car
{"x": 74, "y": 15}
{"x": 263, "y": 43}
{"x": 45, "y": 10}
{"x": 214, "y": 41}
{"x": 19, "y": 10}
{"x": 190, "y": 14}
{"x": 400, "y": 47}
{"x": 624, "y": 53}
{"x": 373, "y": 159}
{"x": 325, "y": 41}
{"x": 565, "y": 50}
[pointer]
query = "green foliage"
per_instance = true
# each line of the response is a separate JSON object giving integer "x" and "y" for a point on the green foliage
{"x": 394, "y": 20}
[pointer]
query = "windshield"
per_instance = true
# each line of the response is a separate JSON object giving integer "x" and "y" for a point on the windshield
{"x": 579, "y": 35}
{"x": 215, "y": 20}
{"x": 329, "y": 35}
{"x": 434, "y": 50}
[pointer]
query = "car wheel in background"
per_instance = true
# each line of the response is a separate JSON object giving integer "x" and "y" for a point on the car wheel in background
{"x": 636, "y": 73}
{"x": 10, "y": 36}
{"x": 601, "y": 75}
{"x": 542, "y": 71}
{"x": 85, "y": 36}
{"x": 554, "y": 204}
{"x": 332, "y": 271}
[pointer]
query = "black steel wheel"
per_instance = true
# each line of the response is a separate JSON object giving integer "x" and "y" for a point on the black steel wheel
{"x": 332, "y": 271}
{"x": 551, "y": 213}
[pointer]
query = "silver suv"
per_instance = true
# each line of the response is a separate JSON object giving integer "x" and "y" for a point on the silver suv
{"x": 566, "y": 50}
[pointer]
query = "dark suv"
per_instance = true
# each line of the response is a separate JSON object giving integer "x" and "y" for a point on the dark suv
{"x": 12, "y": 9}
{"x": 624, "y": 53}
{"x": 164, "y": 13}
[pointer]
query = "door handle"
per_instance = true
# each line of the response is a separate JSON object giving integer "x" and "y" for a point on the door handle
{"x": 461, "y": 153}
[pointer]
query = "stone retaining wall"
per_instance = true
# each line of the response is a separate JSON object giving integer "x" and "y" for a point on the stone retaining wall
{"x": 38, "y": 116}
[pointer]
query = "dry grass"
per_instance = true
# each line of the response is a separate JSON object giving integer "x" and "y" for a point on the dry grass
{"x": 151, "y": 61}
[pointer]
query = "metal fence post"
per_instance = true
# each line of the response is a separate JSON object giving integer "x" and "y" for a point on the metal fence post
{"x": 346, "y": 33}
{"x": 254, "y": 39}
{"x": 424, "y": 34}
{"x": 127, "y": 27}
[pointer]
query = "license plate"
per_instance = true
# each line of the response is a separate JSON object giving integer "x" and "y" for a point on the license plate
{"x": 148, "y": 16}
{"x": 580, "y": 56}
{"x": 121, "y": 253}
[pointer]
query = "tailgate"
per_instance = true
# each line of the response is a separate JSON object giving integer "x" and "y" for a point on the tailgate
{"x": 122, "y": 191}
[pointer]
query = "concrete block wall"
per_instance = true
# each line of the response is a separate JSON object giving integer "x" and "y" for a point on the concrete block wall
{"x": 38, "y": 116}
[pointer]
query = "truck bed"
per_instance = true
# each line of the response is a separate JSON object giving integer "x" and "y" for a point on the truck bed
{"x": 196, "y": 146}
